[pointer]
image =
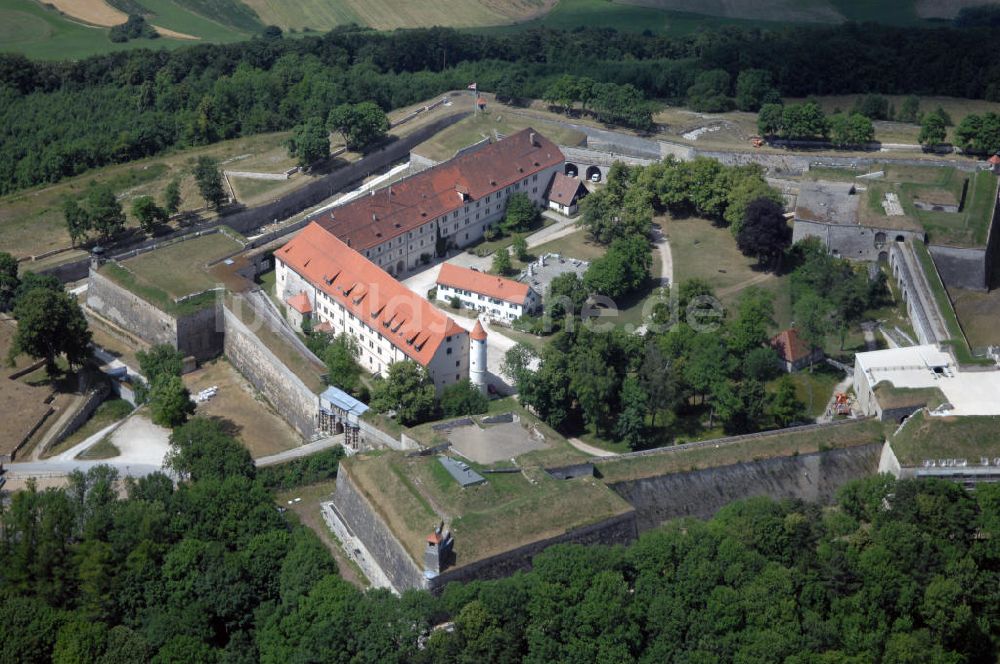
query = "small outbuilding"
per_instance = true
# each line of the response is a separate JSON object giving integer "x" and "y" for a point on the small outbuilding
{"x": 299, "y": 309}
{"x": 994, "y": 163}
{"x": 565, "y": 194}
{"x": 793, "y": 351}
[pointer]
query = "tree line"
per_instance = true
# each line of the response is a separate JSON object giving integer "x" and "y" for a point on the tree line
{"x": 210, "y": 570}
{"x": 62, "y": 118}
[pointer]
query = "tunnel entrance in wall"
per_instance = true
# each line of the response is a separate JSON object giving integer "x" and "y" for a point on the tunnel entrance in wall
{"x": 572, "y": 170}
{"x": 594, "y": 174}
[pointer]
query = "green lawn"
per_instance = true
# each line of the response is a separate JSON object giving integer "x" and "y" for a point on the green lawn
{"x": 813, "y": 389}
{"x": 703, "y": 251}
{"x": 413, "y": 494}
{"x": 178, "y": 269}
{"x": 444, "y": 145}
{"x": 923, "y": 437}
{"x": 32, "y": 221}
{"x": 102, "y": 449}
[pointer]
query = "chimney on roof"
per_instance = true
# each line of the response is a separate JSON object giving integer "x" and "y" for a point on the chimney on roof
{"x": 531, "y": 137}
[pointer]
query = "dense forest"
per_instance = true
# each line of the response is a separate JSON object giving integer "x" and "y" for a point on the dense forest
{"x": 210, "y": 570}
{"x": 61, "y": 118}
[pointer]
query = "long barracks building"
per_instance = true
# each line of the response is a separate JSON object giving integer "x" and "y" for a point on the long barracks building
{"x": 455, "y": 201}
{"x": 344, "y": 262}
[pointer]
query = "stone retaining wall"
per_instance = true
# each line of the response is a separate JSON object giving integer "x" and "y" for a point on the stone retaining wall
{"x": 296, "y": 403}
{"x": 809, "y": 477}
{"x": 621, "y": 529}
{"x": 95, "y": 398}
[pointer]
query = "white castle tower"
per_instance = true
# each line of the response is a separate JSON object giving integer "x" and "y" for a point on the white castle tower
{"x": 477, "y": 357}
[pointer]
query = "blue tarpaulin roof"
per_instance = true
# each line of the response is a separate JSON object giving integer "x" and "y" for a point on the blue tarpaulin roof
{"x": 342, "y": 401}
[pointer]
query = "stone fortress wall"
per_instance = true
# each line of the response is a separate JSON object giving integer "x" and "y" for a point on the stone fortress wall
{"x": 298, "y": 405}
{"x": 198, "y": 334}
{"x": 809, "y": 477}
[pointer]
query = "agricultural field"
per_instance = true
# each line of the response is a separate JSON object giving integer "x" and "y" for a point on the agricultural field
{"x": 43, "y": 32}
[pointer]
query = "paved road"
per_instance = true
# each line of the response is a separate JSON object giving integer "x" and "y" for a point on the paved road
{"x": 497, "y": 344}
{"x": 298, "y": 452}
{"x": 51, "y": 468}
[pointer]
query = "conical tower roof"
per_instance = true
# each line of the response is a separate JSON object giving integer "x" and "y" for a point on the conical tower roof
{"x": 478, "y": 333}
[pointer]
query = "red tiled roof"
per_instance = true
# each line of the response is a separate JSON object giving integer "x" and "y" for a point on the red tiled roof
{"x": 790, "y": 346}
{"x": 300, "y": 303}
{"x": 370, "y": 220}
{"x": 482, "y": 283}
{"x": 995, "y": 159}
{"x": 323, "y": 327}
{"x": 478, "y": 333}
{"x": 564, "y": 188}
{"x": 434, "y": 538}
{"x": 407, "y": 320}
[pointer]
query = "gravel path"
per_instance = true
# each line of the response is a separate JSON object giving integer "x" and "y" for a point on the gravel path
{"x": 589, "y": 449}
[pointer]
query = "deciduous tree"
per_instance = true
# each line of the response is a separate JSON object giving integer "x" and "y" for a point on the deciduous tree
{"x": 9, "y": 280}
{"x": 49, "y": 324}
{"x": 148, "y": 213}
{"x": 172, "y": 197}
{"x": 520, "y": 215}
{"x": 310, "y": 142}
{"x": 463, "y": 398}
{"x": 764, "y": 233}
{"x": 209, "y": 181}
{"x": 932, "y": 129}
{"x": 407, "y": 390}
{"x": 169, "y": 401}
{"x": 341, "y": 359}
{"x": 754, "y": 88}
{"x": 360, "y": 124}
{"x": 501, "y": 261}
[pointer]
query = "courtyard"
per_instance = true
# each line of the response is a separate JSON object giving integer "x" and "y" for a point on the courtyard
{"x": 490, "y": 443}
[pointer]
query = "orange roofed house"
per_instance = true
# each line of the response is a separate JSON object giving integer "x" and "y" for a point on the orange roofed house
{"x": 499, "y": 298}
{"x": 342, "y": 289}
{"x": 793, "y": 351}
{"x": 449, "y": 205}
